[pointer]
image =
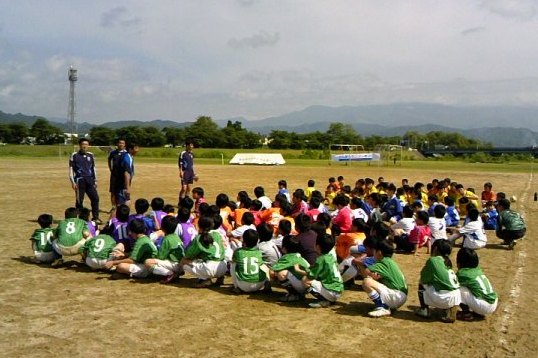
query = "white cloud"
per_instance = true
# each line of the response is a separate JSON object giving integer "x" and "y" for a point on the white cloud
{"x": 257, "y": 40}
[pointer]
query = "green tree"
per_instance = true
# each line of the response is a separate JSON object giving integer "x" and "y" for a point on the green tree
{"x": 102, "y": 135}
{"x": 340, "y": 133}
{"x": 205, "y": 132}
{"x": 175, "y": 136}
{"x": 152, "y": 137}
{"x": 46, "y": 133}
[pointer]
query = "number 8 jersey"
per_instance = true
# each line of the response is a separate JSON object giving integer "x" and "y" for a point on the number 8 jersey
{"x": 70, "y": 231}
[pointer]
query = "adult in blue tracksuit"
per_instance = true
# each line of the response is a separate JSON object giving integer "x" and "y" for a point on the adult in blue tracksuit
{"x": 83, "y": 177}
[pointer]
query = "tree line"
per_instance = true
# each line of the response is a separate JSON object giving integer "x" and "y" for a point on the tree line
{"x": 208, "y": 134}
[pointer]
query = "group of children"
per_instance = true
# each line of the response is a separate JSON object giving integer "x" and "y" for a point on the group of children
{"x": 306, "y": 242}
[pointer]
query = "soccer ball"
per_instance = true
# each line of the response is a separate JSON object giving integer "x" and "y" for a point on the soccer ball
{"x": 513, "y": 199}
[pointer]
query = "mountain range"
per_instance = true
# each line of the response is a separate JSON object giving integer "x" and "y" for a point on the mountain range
{"x": 502, "y": 126}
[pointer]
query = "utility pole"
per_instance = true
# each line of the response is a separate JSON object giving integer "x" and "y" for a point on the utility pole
{"x": 73, "y": 77}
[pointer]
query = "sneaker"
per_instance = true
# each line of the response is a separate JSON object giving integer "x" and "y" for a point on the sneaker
{"x": 219, "y": 281}
{"x": 320, "y": 304}
{"x": 511, "y": 245}
{"x": 450, "y": 315}
{"x": 465, "y": 316}
{"x": 379, "y": 312}
{"x": 423, "y": 312}
{"x": 267, "y": 287}
{"x": 202, "y": 284}
{"x": 57, "y": 263}
{"x": 168, "y": 279}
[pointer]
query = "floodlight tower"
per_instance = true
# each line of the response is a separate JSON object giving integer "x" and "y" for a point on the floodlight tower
{"x": 73, "y": 77}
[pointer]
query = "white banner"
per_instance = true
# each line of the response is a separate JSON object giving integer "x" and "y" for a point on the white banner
{"x": 356, "y": 157}
{"x": 258, "y": 158}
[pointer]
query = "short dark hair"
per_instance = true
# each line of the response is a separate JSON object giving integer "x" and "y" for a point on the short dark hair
{"x": 44, "y": 220}
{"x": 247, "y": 218}
{"x": 137, "y": 226}
{"x": 84, "y": 214}
{"x": 303, "y": 223}
{"x": 157, "y": 203}
{"x": 325, "y": 243}
{"x": 283, "y": 183}
{"x": 169, "y": 224}
{"x": 311, "y": 183}
{"x": 504, "y": 203}
{"x": 70, "y": 213}
{"x": 265, "y": 231}
{"x": 385, "y": 247}
{"x": 250, "y": 238}
{"x": 259, "y": 191}
{"x": 439, "y": 211}
{"x": 122, "y": 213}
{"x": 198, "y": 190}
{"x": 186, "y": 202}
{"x": 467, "y": 258}
{"x": 183, "y": 215}
{"x": 423, "y": 216}
{"x": 473, "y": 214}
{"x": 141, "y": 206}
{"x": 222, "y": 200}
{"x": 82, "y": 140}
{"x": 284, "y": 225}
{"x": 291, "y": 246}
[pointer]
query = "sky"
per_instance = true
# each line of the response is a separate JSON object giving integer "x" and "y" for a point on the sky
{"x": 179, "y": 59}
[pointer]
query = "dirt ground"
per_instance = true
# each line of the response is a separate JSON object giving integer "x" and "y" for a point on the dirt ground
{"x": 71, "y": 311}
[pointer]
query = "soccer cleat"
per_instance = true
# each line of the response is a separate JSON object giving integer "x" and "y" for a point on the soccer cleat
{"x": 379, "y": 312}
{"x": 511, "y": 245}
{"x": 57, "y": 263}
{"x": 423, "y": 312}
{"x": 465, "y": 316}
{"x": 168, "y": 279}
{"x": 202, "y": 284}
{"x": 320, "y": 304}
{"x": 267, "y": 287}
{"x": 450, "y": 315}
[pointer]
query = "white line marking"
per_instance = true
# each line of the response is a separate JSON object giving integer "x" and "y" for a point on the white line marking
{"x": 513, "y": 296}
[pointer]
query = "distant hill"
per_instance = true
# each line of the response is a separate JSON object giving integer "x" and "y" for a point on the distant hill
{"x": 501, "y": 126}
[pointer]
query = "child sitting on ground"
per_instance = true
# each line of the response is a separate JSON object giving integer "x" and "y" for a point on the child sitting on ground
{"x": 98, "y": 250}
{"x": 157, "y": 211}
{"x": 353, "y": 238}
{"x": 439, "y": 286}
{"x": 237, "y": 234}
{"x": 400, "y": 231}
{"x": 384, "y": 282}
{"x": 269, "y": 249}
{"x": 323, "y": 280}
{"x": 248, "y": 270}
{"x": 166, "y": 263}
{"x": 185, "y": 228}
{"x": 84, "y": 214}
{"x": 452, "y": 217}
{"x": 71, "y": 234}
{"x": 204, "y": 258}
{"x": 42, "y": 240}
{"x": 477, "y": 295}
{"x": 473, "y": 233}
{"x": 143, "y": 249}
{"x": 437, "y": 223}
{"x": 141, "y": 207}
{"x": 419, "y": 237}
{"x": 287, "y": 270}
{"x": 489, "y": 216}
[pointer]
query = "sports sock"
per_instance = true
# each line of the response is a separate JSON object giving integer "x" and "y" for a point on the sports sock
{"x": 374, "y": 296}
{"x": 161, "y": 271}
{"x": 421, "y": 296}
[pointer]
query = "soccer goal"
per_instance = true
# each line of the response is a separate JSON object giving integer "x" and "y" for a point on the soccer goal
{"x": 391, "y": 154}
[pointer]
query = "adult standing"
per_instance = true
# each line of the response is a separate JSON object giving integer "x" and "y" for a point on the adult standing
{"x": 123, "y": 175}
{"x": 186, "y": 170}
{"x": 83, "y": 177}
{"x": 114, "y": 160}
{"x": 510, "y": 224}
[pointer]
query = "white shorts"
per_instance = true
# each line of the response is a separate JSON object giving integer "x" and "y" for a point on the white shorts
{"x": 473, "y": 244}
{"x": 68, "y": 250}
{"x": 441, "y": 299}
{"x": 95, "y": 264}
{"x": 165, "y": 267}
{"x": 228, "y": 254}
{"x": 476, "y": 304}
{"x": 392, "y": 298}
{"x": 206, "y": 269}
{"x": 297, "y": 284}
{"x": 244, "y": 285}
{"x": 331, "y": 296}
{"x": 44, "y": 257}
{"x": 138, "y": 270}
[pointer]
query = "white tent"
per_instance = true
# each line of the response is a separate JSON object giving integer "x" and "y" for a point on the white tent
{"x": 258, "y": 159}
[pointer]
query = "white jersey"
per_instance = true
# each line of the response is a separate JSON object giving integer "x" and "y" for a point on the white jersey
{"x": 405, "y": 224}
{"x": 474, "y": 231}
{"x": 266, "y": 202}
{"x": 438, "y": 228}
{"x": 360, "y": 214}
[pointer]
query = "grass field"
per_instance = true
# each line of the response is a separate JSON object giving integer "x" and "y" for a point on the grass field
{"x": 74, "y": 312}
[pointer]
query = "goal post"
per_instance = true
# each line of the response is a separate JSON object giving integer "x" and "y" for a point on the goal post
{"x": 391, "y": 154}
